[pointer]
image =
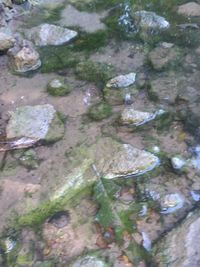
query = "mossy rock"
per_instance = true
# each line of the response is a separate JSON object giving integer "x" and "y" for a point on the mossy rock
{"x": 95, "y": 71}
{"x": 100, "y": 111}
{"x": 58, "y": 87}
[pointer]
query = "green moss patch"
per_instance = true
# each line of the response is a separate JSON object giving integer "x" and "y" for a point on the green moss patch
{"x": 95, "y": 72}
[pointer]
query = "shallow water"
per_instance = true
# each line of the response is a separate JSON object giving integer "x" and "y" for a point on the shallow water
{"x": 117, "y": 220}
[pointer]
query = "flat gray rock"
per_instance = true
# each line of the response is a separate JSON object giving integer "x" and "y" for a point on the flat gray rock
{"x": 36, "y": 122}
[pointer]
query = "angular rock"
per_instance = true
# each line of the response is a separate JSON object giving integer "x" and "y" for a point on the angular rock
{"x": 48, "y": 34}
{"x": 113, "y": 159}
{"x": 36, "y": 122}
{"x": 191, "y": 9}
{"x": 89, "y": 261}
{"x": 180, "y": 247}
{"x": 23, "y": 57}
{"x": 162, "y": 56}
{"x": 147, "y": 20}
{"x": 120, "y": 89}
{"x": 6, "y": 41}
{"x": 130, "y": 116}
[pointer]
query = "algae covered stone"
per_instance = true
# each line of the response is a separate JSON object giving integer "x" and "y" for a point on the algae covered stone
{"x": 39, "y": 122}
{"x": 100, "y": 111}
{"x": 49, "y": 34}
{"x": 130, "y": 116}
{"x": 58, "y": 87}
{"x": 94, "y": 71}
{"x": 122, "y": 81}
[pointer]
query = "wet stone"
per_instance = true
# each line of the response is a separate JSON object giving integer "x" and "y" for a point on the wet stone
{"x": 36, "y": 122}
{"x": 48, "y": 34}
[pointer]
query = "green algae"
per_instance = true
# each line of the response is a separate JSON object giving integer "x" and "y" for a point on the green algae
{"x": 57, "y": 57}
{"x": 90, "y": 42}
{"x": 96, "y": 72}
{"x": 100, "y": 111}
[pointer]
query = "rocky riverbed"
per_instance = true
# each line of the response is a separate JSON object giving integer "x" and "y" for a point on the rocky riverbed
{"x": 99, "y": 133}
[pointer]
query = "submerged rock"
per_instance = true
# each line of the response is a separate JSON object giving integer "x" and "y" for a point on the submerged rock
{"x": 180, "y": 247}
{"x": 37, "y": 122}
{"x": 191, "y": 9}
{"x": 119, "y": 89}
{"x": 113, "y": 159}
{"x": 163, "y": 55}
{"x": 6, "y": 41}
{"x": 48, "y": 34}
{"x": 89, "y": 261}
{"x": 147, "y": 20}
{"x": 24, "y": 57}
{"x": 58, "y": 87}
{"x": 130, "y": 116}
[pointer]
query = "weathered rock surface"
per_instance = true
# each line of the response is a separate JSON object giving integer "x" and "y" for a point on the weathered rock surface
{"x": 191, "y": 9}
{"x": 6, "y": 41}
{"x": 130, "y": 116}
{"x": 163, "y": 55}
{"x": 36, "y": 122}
{"x": 147, "y": 20}
{"x": 48, "y": 34}
{"x": 24, "y": 57}
{"x": 89, "y": 261}
{"x": 181, "y": 246}
{"x": 118, "y": 88}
